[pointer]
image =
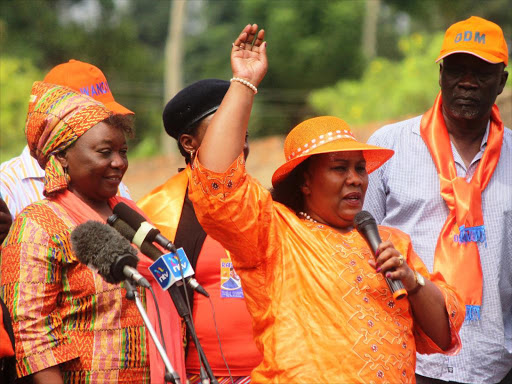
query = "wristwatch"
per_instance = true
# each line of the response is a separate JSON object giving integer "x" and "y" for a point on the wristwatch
{"x": 420, "y": 282}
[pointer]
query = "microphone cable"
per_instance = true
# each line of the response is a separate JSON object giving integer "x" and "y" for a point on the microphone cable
{"x": 167, "y": 377}
{"x": 214, "y": 322}
{"x": 218, "y": 338}
{"x": 159, "y": 319}
{"x": 202, "y": 371}
{"x": 130, "y": 294}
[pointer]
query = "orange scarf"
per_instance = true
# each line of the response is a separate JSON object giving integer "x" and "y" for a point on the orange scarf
{"x": 80, "y": 213}
{"x": 456, "y": 257}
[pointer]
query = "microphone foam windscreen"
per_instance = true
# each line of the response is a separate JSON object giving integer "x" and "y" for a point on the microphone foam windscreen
{"x": 362, "y": 219}
{"x": 99, "y": 246}
{"x": 132, "y": 217}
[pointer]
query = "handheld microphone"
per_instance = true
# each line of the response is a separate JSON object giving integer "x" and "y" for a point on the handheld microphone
{"x": 147, "y": 248}
{"x": 367, "y": 227}
{"x": 144, "y": 230}
{"x": 102, "y": 248}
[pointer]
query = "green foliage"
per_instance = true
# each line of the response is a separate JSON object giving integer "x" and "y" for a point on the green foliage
{"x": 151, "y": 21}
{"x": 16, "y": 78}
{"x": 440, "y": 14}
{"x": 114, "y": 40}
{"x": 387, "y": 90}
{"x": 311, "y": 44}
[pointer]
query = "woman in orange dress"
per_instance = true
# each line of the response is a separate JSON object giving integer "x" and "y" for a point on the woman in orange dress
{"x": 322, "y": 311}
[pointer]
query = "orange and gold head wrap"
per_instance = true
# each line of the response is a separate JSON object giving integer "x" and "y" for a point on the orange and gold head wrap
{"x": 57, "y": 117}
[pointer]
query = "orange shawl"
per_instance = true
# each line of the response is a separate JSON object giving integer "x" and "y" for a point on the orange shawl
{"x": 456, "y": 257}
{"x": 158, "y": 202}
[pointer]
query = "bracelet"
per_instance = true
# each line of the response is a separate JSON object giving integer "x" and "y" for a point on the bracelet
{"x": 246, "y": 83}
{"x": 420, "y": 282}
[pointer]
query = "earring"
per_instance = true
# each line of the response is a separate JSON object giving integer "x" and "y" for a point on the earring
{"x": 192, "y": 152}
{"x": 66, "y": 175}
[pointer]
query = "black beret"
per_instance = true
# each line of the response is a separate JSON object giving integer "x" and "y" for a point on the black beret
{"x": 192, "y": 104}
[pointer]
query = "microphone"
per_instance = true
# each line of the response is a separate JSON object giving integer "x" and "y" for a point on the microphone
{"x": 100, "y": 247}
{"x": 367, "y": 227}
{"x": 144, "y": 230}
{"x": 150, "y": 250}
{"x": 135, "y": 228}
{"x": 121, "y": 228}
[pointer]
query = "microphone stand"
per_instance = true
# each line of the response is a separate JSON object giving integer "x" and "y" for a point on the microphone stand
{"x": 171, "y": 376}
{"x": 184, "y": 313}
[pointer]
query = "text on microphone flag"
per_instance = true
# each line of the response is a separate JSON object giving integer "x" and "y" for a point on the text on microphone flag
{"x": 166, "y": 269}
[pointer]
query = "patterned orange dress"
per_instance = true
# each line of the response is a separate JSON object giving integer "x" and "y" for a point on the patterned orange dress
{"x": 63, "y": 312}
{"x": 321, "y": 313}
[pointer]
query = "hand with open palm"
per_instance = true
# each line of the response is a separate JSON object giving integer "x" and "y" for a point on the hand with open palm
{"x": 249, "y": 55}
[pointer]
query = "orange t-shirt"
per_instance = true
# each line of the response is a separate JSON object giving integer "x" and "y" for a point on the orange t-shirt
{"x": 321, "y": 314}
{"x": 213, "y": 272}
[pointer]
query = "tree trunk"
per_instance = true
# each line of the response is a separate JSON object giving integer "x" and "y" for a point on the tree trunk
{"x": 371, "y": 19}
{"x": 173, "y": 75}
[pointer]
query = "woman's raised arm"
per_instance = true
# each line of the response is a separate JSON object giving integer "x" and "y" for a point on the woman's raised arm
{"x": 225, "y": 137}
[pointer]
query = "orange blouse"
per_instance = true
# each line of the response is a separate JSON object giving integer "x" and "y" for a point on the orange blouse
{"x": 321, "y": 313}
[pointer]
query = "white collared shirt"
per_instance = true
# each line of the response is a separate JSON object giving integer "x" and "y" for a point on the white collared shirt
{"x": 405, "y": 193}
{"x": 22, "y": 182}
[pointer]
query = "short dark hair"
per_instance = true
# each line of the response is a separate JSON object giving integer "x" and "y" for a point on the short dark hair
{"x": 125, "y": 123}
{"x": 288, "y": 192}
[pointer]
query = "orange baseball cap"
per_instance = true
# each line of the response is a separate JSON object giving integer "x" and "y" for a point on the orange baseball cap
{"x": 477, "y": 37}
{"x": 88, "y": 80}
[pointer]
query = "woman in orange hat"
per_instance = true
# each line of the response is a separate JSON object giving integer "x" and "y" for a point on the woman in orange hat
{"x": 322, "y": 312}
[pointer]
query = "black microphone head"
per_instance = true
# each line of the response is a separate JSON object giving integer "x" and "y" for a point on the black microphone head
{"x": 102, "y": 247}
{"x": 363, "y": 219}
{"x": 129, "y": 215}
{"x": 134, "y": 219}
{"x": 121, "y": 226}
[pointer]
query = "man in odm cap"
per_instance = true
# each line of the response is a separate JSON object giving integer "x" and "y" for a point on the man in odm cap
{"x": 186, "y": 118}
{"x": 21, "y": 178}
{"x": 449, "y": 187}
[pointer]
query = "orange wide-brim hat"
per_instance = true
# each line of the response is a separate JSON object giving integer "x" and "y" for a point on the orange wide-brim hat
{"x": 325, "y": 134}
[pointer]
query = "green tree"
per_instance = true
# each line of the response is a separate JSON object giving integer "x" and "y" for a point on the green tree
{"x": 44, "y": 32}
{"x": 432, "y": 15}
{"x": 387, "y": 90}
{"x": 15, "y": 83}
{"x": 310, "y": 44}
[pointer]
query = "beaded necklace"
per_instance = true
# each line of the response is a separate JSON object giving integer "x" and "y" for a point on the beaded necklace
{"x": 305, "y": 216}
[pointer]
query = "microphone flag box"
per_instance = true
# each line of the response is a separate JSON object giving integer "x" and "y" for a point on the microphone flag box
{"x": 166, "y": 269}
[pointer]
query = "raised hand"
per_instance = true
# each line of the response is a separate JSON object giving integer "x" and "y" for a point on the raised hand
{"x": 249, "y": 55}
